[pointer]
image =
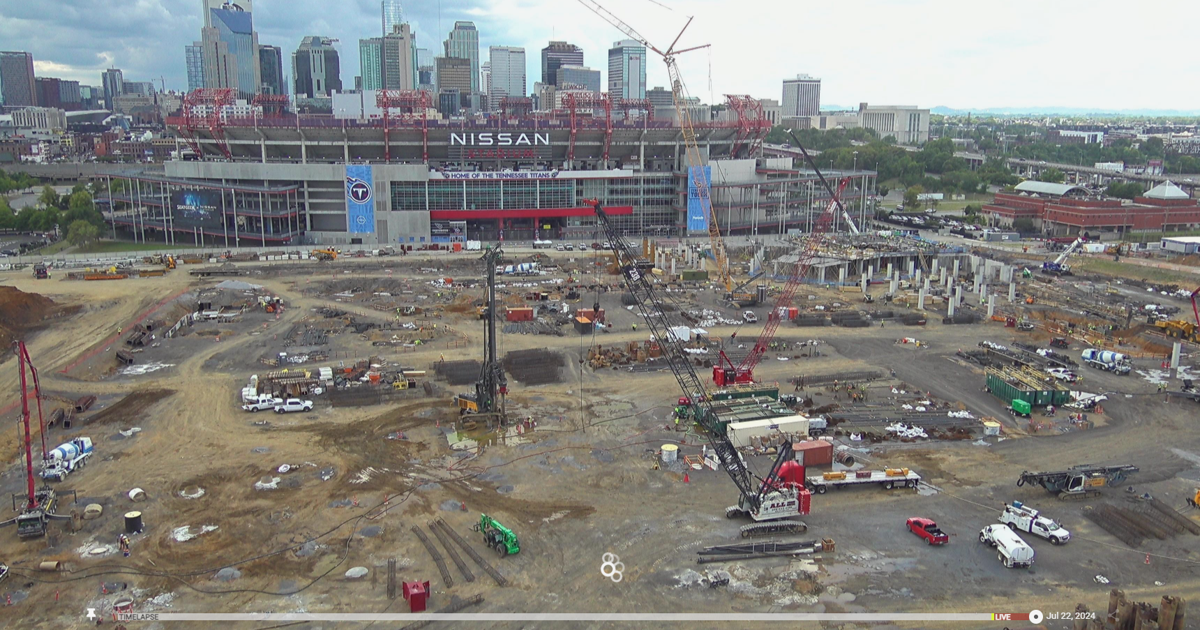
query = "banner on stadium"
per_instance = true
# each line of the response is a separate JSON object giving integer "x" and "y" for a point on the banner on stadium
{"x": 697, "y": 219}
{"x": 360, "y": 199}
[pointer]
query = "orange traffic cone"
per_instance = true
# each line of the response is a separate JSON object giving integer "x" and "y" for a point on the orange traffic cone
{"x": 1147, "y": 558}
{"x": 686, "y": 479}
{"x": 463, "y": 505}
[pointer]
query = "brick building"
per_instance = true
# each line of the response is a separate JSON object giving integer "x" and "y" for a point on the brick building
{"x": 1062, "y": 209}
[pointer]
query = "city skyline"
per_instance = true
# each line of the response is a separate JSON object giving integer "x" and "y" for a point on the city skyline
{"x": 993, "y": 64}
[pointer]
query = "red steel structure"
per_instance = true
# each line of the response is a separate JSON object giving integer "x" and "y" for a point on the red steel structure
{"x": 725, "y": 372}
{"x": 752, "y": 123}
{"x": 273, "y": 105}
{"x": 202, "y": 110}
{"x": 414, "y": 108}
{"x": 575, "y": 101}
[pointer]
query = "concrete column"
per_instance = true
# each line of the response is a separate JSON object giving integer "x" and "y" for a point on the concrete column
{"x": 865, "y": 284}
{"x": 946, "y": 283}
{"x": 912, "y": 266}
{"x": 934, "y": 266}
{"x": 870, "y": 273}
{"x": 1012, "y": 292}
{"x": 917, "y": 277}
{"x": 926, "y": 285}
{"x": 703, "y": 264}
{"x": 672, "y": 265}
{"x": 842, "y": 275}
{"x": 889, "y": 273}
{"x": 921, "y": 299}
{"x": 991, "y": 308}
{"x": 958, "y": 296}
{"x": 950, "y": 308}
{"x": 1175, "y": 350}
{"x": 983, "y": 293}
{"x": 895, "y": 286}
{"x": 822, "y": 278}
{"x": 956, "y": 266}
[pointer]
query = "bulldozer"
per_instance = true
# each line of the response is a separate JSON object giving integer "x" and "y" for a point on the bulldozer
{"x": 497, "y": 536}
{"x": 324, "y": 254}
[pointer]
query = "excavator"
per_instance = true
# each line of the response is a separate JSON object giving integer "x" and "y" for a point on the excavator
{"x": 324, "y": 254}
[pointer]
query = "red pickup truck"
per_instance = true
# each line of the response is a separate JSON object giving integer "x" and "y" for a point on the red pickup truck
{"x": 927, "y": 529}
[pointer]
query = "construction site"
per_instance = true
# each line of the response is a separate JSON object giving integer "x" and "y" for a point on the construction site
{"x": 852, "y": 420}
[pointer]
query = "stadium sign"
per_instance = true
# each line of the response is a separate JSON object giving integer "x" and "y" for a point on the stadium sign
{"x": 498, "y": 139}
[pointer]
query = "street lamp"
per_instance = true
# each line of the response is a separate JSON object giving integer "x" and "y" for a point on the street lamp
{"x": 855, "y": 167}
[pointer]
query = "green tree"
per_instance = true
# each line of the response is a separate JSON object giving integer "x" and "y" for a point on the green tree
{"x": 1053, "y": 176}
{"x": 80, "y": 200}
{"x": 49, "y": 198}
{"x": 910, "y": 195}
{"x": 25, "y": 218}
{"x": 971, "y": 211}
{"x": 81, "y": 233}
{"x": 44, "y": 220}
{"x": 8, "y": 220}
{"x": 1124, "y": 190}
{"x": 1153, "y": 148}
{"x": 1023, "y": 225}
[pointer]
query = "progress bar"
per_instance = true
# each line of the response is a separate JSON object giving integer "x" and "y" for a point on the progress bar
{"x": 581, "y": 617}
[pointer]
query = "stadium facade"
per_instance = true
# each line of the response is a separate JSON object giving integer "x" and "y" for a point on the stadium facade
{"x": 418, "y": 181}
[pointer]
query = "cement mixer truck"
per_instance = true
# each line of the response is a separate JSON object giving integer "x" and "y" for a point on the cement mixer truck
{"x": 65, "y": 458}
{"x": 1107, "y": 360}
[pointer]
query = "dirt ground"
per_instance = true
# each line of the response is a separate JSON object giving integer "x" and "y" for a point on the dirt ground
{"x": 583, "y": 484}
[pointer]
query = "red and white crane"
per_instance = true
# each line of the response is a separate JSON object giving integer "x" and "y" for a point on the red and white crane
{"x": 725, "y": 372}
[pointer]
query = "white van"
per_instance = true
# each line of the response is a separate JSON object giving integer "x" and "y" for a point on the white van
{"x": 1013, "y": 551}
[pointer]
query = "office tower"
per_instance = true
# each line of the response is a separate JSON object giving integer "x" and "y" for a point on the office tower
{"x": 230, "y": 51}
{"x": 400, "y": 59}
{"x": 426, "y": 70}
{"x": 627, "y": 70}
{"x": 578, "y": 76}
{"x": 270, "y": 60}
{"x": 17, "y": 85}
{"x": 557, "y": 55}
{"x": 393, "y": 15}
{"x": 801, "y": 96}
{"x": 315, "y": 68}
{"x": 194, "y": 56}
{"x": 463, "y": 43}
{"x": 114, "y": 86}
{"x": 454, "y": 73}
{"x": 370, "y": 63}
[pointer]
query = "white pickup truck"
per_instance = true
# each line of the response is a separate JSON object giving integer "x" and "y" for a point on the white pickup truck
{"x": 294, "y": 404}
{"x": 264, "y": 403}
{"x": 1023, "y": 518}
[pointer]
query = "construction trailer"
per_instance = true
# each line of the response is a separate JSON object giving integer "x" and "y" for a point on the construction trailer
{"x": 1038, "y": 389}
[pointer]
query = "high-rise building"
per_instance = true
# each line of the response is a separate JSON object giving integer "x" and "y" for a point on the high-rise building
{"x": 454, "y": 73}
{"x": 801, "y": 96}
{"x": 315, "y": 68}
{"x": 485, "y": 77}
{"x": 17, "y": 85}
{"x": 137, "y": 88}
{"x": 89, "y": 97}
{"x": 370, "y": 63}
{"x": 426, "y": 70}
{"x": 579, "y": 77}
{"x": 400, "y": 59}
{"x": 270, "y": 59}
{"x": 463, "y": 43}
{"x": 114, "y": 86}
{"x": 557, "y": 55}
{"x": 230, "y": 47}
{"x": 47, "y": 92}
{"x": 627, "y": 70}
{"x": 908, "y": 124}
{"x": 393, "y": 15}
{"x": 194, "y": 56}
{"x": 660, "y": 97}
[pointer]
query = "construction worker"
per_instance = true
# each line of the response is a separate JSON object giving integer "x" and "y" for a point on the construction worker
{"x": 123, "y": 544}
{"x": 635, "y": 326}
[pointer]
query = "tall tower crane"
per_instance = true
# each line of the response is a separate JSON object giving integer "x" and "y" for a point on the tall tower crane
{"x": 695, "y": 162}
{"x": 725, "y": 372}
{"x": 771, "y": 501}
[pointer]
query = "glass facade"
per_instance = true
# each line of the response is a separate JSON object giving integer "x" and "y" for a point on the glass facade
{"x": 194, "y": 56}
{"x": 236, "y": 29}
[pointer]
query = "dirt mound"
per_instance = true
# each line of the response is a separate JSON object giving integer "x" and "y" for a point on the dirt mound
{"x": 22, "y": 312}
{"x": 128, "y": 411}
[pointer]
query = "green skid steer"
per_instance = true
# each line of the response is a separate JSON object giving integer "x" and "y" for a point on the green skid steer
{"x": 497, "y": 536}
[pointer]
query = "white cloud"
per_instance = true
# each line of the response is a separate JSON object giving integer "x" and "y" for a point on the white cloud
{"x": 1070, "y": 53}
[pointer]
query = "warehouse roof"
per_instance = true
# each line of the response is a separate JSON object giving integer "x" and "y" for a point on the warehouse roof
{"x": 1047, "y": 188}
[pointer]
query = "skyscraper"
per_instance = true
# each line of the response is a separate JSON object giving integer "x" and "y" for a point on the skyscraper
{"x": 370, "y": 63}
{"x": 393, "y": 15}
{"x": 400, "y": 59}
{"x": 557, "y": 55}
{"x": 627, "y": 69}
{"x": 194, "y": 55}
{"x": 578, "y": 76}
{"x": 508, "y": 74}
{"x": 114, "y": 86}
{"x": 426, "y": 70}
{"x": 315, "y": 68}
{"x": 801, "y": 96}
{"x": 230, "y": 47}
{"x": 17, "y": 87}
{"x": 463, "y": 43}
{"x": 454, "y": 73}
{"x": 270, "y": 60}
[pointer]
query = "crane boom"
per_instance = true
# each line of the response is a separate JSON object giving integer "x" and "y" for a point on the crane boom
{"x": 651, "y": 306}
{"x": 686, "y": 129}
{"x": 725, "y": 373}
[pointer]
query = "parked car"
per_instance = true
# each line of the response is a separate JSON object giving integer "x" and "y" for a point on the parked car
{"x": 1063, "y": 374}
{"x": 570, "y": 247}
{"x": 928, "y": 530}
{"x": 294, "y": 404}
{"x": 749, "y": 317}
{"x": 560, "y": 247}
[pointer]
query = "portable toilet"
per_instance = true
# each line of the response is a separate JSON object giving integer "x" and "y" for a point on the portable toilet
{"x": 417, "y": 594}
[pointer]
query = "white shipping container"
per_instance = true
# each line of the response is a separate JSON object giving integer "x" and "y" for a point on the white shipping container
{"x": 741, "y": 433}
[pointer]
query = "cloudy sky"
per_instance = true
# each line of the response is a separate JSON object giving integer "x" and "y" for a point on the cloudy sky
{"x": 1100, "y": 54}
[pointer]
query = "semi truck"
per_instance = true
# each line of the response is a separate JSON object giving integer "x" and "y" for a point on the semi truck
{"x": 1107, "y": 360}
{"x": 65, "y": 458}
{"x": 1012, "y": 551}
{"x": 1021, "y": 517}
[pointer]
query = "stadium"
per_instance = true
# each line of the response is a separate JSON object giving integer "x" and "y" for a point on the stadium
{"x": 402, "y": 175}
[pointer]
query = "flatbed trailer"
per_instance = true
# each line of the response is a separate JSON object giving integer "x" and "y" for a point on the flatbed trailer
{"x": 889, "y": 479}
